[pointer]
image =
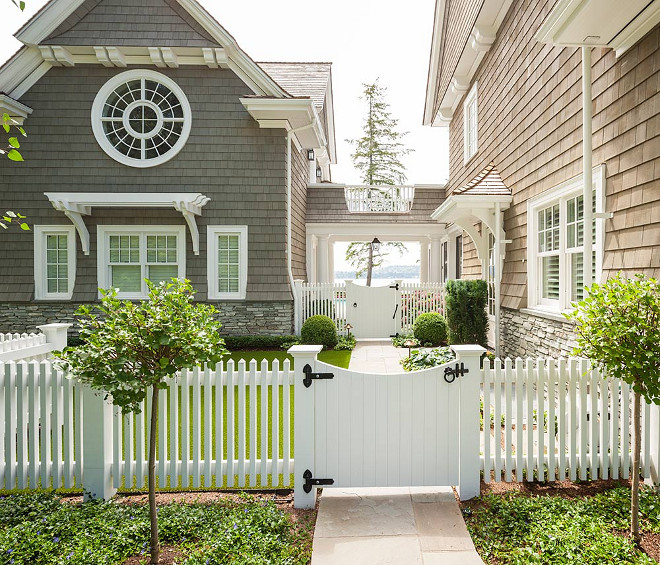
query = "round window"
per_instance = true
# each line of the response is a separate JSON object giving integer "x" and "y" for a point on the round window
{"x": 141, "y": 118}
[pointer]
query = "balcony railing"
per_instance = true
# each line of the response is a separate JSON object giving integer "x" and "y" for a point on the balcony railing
{"x": 379, "y": 199}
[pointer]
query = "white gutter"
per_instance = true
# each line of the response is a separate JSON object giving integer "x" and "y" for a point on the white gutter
{"x": 587, "y": 115}
{"x": 289, "y": 267}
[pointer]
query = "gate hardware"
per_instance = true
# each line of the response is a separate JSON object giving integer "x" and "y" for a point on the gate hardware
{"x": 452, "y": 374}
{"x": 395, "y": 286}
{"x": 310, "y": 481}
{"x": 309, "y": 376}
{"x": 395, "y": 310}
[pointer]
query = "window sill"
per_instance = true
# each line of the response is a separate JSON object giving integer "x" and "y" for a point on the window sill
{"x": 547, "y": 314}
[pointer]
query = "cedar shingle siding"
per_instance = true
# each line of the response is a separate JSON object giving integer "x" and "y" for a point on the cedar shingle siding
{"x": 530, "y": 120}
{"x": 162, "y": 23}
{"x": 240, "y": 166}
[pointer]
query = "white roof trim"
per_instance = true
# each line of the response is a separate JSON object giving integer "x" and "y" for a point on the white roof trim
{"x": 76, "y": 204}
{"x": 14, "y": 108}
{"x": 458, "y": 206}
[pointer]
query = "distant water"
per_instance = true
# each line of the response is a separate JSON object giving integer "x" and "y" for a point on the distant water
{"x": 379, "y": 282}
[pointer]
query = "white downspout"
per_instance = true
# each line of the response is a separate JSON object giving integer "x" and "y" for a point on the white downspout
{"x": 289, "y": 267}
{"x": 498, "y": 273}
{"x": 587, "y": 115}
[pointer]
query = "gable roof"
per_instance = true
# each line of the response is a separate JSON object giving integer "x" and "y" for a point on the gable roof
{"x": 487, "y": 183}
{"x": 115, "y": 23}
{"x": 302, "y": 79}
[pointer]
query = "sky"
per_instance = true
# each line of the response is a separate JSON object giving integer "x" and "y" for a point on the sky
{"x": 365, "y": 40}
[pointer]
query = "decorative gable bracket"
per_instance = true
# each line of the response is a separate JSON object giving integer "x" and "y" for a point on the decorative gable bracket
{"x": 75, "y": 205}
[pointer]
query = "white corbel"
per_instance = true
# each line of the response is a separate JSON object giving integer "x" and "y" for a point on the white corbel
{"x": 157, "y": 57}
{"x": 102, "y": 56}
{"x": 481, "y": 38}
{"x": 57, "y": 56}
{"x": 170, "y": 58}
{"x": 116, "y": 55}
{"x": 74, "y": 212}
{"x": 190, "y": 209}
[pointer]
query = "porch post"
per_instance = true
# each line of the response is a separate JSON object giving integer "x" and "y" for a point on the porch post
{"x": 498, "y": 273}
{"x": 303, "y": 431}
{"x": 435, "y": 259}
{"x": 331, "y": 260}
{"x": 424, "y": 260}
{"x": 469, "y": 461}
{"x": 587, "y": 112}
{"x": 322, "y": 258}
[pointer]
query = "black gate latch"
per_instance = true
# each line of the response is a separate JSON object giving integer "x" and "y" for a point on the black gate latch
{"x": 452, "y": 374}
{"x": 309, "y": 376}
{"x": 310, "y": 481}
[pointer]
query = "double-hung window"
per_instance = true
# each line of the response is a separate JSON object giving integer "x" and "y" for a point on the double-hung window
{"x": 227, "y": 262}
{"x": 54, "y": 262}
{"x": 128, "y": 255}
{"x": 556, "y": 243}
{"x": 470, "y": 125}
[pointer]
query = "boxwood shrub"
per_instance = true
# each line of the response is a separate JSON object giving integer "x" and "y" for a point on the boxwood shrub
{"x": 236, "y": 342}
{"x": 430, "y": 328}
{"x": 319, "y": 330}
{"x": 466, "y": 311}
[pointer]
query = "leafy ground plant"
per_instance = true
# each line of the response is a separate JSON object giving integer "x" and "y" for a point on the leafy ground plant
{"x": 426, "y": 358}
{"x": 517, "y": 529}
{"x": 42, "y": 528}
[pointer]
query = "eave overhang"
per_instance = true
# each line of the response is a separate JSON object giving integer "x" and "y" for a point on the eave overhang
{"x": 599, "y": 23}
{"x": 77, "y": 204}
{"x": 17, "y": 111}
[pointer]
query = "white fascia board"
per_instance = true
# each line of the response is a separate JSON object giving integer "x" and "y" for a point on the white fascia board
{"x": 434, "y": 62}
{"x": 17, "y": 75}
{"x": 46, "y": 21}
{"x": 14, "y": 108}
{"x": 448, "y": 211}
{"x": 330, "y": 113}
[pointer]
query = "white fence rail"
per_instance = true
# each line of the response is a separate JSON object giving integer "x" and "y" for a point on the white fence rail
{"x": 379, "y": 199}
{"x": 33, "y": 346}
{"x": 410, "y": 300}
{"x": 549, "y": 419}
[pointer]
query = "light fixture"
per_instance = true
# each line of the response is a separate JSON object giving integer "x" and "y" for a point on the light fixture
{"x": 375, "y": 244}
{"x": 318, "y": 172}
{"x": 310, "y": 154}
{"x": 348, "y": 330}
{"x": 409, "y": 343}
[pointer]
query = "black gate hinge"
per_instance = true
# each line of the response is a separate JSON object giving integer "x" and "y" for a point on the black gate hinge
{"x": 309, "y": 376}
{"x": 395, "y": 286}
{"x": 452, "y": 374}
{"x": 311, "y": 481}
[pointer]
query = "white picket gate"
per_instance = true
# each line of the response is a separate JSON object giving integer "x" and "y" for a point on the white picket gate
{"x": 33, "y": 346}
{"x": 553, "y": 419}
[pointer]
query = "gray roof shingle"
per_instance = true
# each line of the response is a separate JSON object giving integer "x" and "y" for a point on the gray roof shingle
{"x": 309, "y": 80}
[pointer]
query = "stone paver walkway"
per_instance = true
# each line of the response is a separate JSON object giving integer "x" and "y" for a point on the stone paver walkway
{"x": 377, "y": 357}
{"x": 391, "y": 526}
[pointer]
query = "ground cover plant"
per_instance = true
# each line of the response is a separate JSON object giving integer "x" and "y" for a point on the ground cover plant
{"x": 43, "y": 528}
{"x": 570, "y": 523}
{"x": 420, "y": 359}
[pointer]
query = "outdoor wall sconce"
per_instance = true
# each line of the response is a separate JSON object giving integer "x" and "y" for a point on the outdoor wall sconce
{"x": 318, "y": 172}
{"x": 375, "y": 244}
{"x": 310, "y": 154}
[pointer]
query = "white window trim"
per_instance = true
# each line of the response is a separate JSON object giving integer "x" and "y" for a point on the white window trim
{"x": 40, "y": 283}
{"x": 97, "y": 112}
{"x": 561, "y": 193}
{"x": 212, "y": 264}
{"x": 470, "y": 99}
{"x": 103, "y": 246}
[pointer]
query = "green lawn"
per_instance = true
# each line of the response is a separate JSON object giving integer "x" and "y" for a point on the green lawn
{"x": 337, "y": 358}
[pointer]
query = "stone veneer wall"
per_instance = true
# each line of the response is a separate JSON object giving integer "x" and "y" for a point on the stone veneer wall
{"x": 237, "y": 318}
{"x": 527, "y": 335}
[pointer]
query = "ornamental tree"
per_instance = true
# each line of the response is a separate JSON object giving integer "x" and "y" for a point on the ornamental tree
{"x": 618, "y": 328}
{"x": 132, "y": 349}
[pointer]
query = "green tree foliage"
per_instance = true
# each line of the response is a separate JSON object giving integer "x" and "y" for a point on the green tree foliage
{"x": 13, "y": 218}
{"x": 618, "y": 328}
{"x": 19, "y": 4}
{"x": 466, "y": 311}
{"x": 11, "y": 146}
{"x": 377, "y": 156}
{"x": 132, "y": 348}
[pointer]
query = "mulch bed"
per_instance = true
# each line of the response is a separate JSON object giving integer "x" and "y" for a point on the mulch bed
{"x": 650, "y": 543}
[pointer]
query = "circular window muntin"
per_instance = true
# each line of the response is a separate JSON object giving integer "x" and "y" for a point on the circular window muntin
{"x": 166, "y": 125}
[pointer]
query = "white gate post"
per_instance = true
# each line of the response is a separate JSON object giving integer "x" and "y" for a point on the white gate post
{"x": 297, "y": 306}
{"x": 56, "y": 334}
{"x": 97, "y": 444}
{"x": 469, "y": 460}
{"x": 303, "y": 432}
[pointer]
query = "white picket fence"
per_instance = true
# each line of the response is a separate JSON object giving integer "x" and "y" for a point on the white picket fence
{"x": 556, "y": 419}
{"x": 329, "y": 299}
{"x": 379, "y": 199}
{"x": 226, "y": 427}
{"x": 33, "y": 346}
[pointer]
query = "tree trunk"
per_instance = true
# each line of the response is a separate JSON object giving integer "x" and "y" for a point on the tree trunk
{"x": 154, "y": 548}
{"x": 370, "y": 266}
{"x": 637, "y": 450}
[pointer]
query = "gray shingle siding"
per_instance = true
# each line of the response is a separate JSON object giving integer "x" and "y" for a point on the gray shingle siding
{"x": 300, "y": 174}
{"x": 241, "y": 167}
{"x": 161, "y": 23}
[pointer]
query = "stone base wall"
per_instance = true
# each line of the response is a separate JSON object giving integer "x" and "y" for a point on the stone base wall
{"x": 524, "y": 334}
{"x": 237, "y": 318}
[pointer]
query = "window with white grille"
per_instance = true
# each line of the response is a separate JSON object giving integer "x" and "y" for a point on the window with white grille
{"x": 470, "y": 125}
{"x": 54, "y": 262}
{"x": 227, "y": 262}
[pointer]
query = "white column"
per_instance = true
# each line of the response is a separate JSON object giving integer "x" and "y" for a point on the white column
{"x": 322, "y": 258}
{"x": 424, "y": 260}
{"x": 331, "y": 260}
{"x": 303, "y": 432}
{"x": 451, "y": 257}
{"x": 587, "y": 111}
{"x": 469, "y": 471}
{"x": 97, "y": 444}
{"x": 56, "y": 334}
{"x": 436, "y": 259}
{"x": 499, "y": 252}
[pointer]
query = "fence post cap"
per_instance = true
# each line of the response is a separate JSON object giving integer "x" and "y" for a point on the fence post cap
{"x": 58, "y": 326}
{"x": 305, "y": 349}
{"x": 468, "y": 350}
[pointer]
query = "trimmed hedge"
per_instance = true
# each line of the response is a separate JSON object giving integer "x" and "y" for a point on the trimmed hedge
{"x": 466, "y": 311}
{"x": 430, "y": 328}
{"x": 234, "y": 342}
{"x": 319, "y": 330}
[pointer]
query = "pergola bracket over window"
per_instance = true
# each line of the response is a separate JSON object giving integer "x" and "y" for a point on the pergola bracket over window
{"x": 75, "y": 205}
